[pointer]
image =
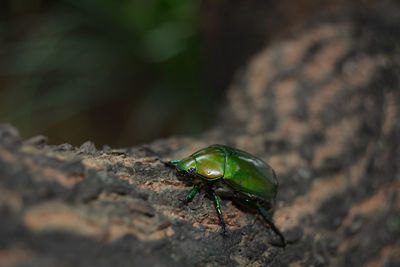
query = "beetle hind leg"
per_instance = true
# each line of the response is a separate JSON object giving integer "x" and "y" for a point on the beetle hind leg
{"x": 268, "y": 218}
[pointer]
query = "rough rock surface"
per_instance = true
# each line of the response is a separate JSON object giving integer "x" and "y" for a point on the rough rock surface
{"x": 322, "y": 107}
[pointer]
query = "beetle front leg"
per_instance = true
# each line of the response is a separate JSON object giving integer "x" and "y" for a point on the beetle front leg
{"x": 268, "y": 218}
{"x": 191, "y": 194}
{"x": 170, "y": 163}
{"x": 219, "y": 211}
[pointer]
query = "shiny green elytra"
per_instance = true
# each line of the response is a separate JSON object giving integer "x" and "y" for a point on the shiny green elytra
{"x": 229, "y": 172}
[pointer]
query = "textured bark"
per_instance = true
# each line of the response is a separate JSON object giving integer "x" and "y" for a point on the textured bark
{"x": 321, "y": 106}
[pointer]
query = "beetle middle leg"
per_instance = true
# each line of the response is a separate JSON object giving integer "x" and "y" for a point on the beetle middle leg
{"x": 219, "y": 212}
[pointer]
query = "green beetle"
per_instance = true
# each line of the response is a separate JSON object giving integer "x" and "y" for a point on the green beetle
{"x": 232, "y": 173}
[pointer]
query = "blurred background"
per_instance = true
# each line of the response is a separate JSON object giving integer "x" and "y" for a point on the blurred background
{"x": 130, "y": 71}
{"x": 115, "y": 72}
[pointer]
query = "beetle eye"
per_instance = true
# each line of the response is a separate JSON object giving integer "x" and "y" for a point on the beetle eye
{"x": 191, "y": 171}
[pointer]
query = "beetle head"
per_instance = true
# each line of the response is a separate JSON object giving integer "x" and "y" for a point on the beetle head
{"x": 187, "y": 167}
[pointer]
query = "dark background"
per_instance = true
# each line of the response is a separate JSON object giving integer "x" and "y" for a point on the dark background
{"x": 130, "y": 71}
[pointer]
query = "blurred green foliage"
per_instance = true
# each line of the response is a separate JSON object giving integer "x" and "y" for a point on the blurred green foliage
{"x": 116, "y": 72}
